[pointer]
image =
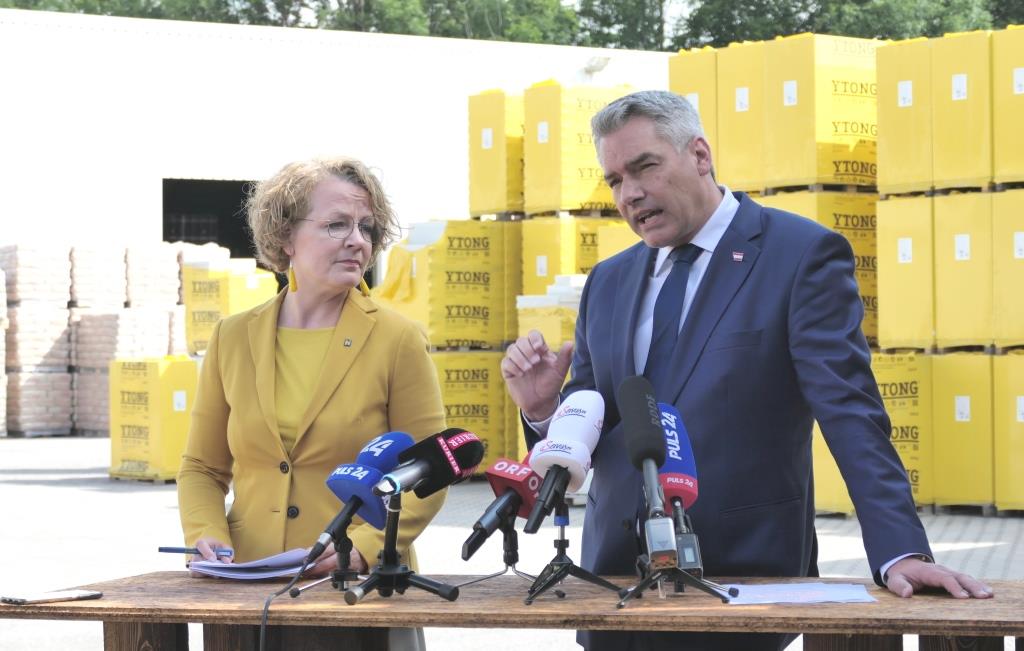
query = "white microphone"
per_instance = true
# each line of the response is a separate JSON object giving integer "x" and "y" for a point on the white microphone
{"x": 563, "y": 458}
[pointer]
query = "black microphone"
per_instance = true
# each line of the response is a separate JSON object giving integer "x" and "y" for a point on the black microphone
{"x": 645, "y": 444}
{"x": 434, "y": 463}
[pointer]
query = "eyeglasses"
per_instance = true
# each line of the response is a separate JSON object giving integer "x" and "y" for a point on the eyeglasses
{"x": 342, "y": 228}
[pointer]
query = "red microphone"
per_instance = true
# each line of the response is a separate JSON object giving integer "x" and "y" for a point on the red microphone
{"x": 516, "y": 485}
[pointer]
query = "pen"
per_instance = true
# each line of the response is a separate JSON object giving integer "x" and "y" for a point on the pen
{"x": 193, "y": 550}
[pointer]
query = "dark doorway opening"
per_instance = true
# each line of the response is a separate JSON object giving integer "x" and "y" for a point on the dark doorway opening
{"x": 201, "y": 211}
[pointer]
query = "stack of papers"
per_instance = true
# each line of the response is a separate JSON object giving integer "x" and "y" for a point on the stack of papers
{"x": 284, "y": 564}
{"x": 800, "y": 593}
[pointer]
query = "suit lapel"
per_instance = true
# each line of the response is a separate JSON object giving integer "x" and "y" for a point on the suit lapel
{"x": 730, "y": 265}
{"x": 631, "y": 287}
{"x": 263, "y": 347}
{"x": 349, "y": 338}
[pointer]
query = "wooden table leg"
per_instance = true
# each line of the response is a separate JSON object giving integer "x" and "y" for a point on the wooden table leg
{"x": 853, "y": 642}
{"x": 950, "y": 643}
{"x": 132, "y": 636}
{"x": 220, "y": 637}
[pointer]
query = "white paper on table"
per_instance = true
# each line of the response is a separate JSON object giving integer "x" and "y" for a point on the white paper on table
{"x": 800, "y": 593}
{"x": 284, "y": 564}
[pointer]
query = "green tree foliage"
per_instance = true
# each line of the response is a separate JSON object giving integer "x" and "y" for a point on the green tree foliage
{"x": 533, "y": 21}
{"x": 1006, "y": 12}
{"x": 898, "y": 19}
{"x": 385, "y": 16}
{"x": 530, "y": 21}
{"x": 632, "y": 24}
{"x": 720, "y": 22}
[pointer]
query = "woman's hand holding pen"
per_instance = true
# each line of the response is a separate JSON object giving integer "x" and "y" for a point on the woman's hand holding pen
{"x": 208, "y": 552}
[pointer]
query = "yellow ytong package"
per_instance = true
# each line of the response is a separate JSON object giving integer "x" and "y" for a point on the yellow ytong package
{"x": 474, "y": 397}
{"x": 553, "y": 313}
{"x": 962, "y": 110}
{"x": 214, "y": 290}
{"x": 150, "y": 410}
{"x": 694, "y": 75}
{"x": 556, "y": 246}
{"x": 820, "y": 110}
{"x": 614, "y": 236}
{"x": 561, "y": 169}
{"x": 904, "y": 116}
{"x": 852, "y": 215}
{"x": 963, "y": 269}
{"x": 1008, "y": 104}
{"x": 905, "y": 383}
{"x": 830, "y": 494}
{"x": 495, "y": 153}
{"x": 453, "y": 277}
{"x": 1008, "y": 423}
{"x": 739, "y": 161}
{"x": 906, "y": 274}
{"x": 1008, "y": 268}
{"x": 962, "y": 417}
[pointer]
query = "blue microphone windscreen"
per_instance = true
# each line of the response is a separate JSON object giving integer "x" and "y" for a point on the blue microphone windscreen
{"x": 679, "y": 452}
{"x": 382, "y": 451}
{"x": 356, "y": 480}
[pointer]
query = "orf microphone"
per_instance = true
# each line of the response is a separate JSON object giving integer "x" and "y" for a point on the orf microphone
{"x": 645, "y": 444}
{"x": 353, "y": 483}
{"x": 516, "y": 485}
{"x": 434, "y": 463}
{"x": 564, "y": 456}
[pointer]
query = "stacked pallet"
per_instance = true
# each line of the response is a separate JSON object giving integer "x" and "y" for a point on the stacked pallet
{"x": 98, "y": 276}
{"x": 153, "y": 275}
{"x": 3, "y": 355}
{"x": 100, "y": 336}
{"x": 38, "y": 346}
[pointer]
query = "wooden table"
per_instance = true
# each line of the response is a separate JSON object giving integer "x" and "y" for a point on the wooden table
{"x": 154, "y": 608}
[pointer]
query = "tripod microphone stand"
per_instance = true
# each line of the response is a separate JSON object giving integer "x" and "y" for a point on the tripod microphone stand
{"x": 510, "y": 545}
{"x": 340, "y": 577}
{"x": 391, "y": 575}
{"x": 689, "y": 569}
{"x": 561, "y": 565}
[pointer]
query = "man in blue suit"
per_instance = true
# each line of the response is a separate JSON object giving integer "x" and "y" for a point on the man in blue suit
{"x": 762, "y": 336}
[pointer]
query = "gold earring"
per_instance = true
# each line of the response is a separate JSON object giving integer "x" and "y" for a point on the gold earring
{"x": 293, "y": 285}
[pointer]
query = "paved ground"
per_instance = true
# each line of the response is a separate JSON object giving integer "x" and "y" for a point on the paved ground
{"x": 64, "y": 523}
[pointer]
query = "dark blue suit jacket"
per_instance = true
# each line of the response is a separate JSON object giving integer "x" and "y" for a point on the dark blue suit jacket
{"x": 772, "y": 341}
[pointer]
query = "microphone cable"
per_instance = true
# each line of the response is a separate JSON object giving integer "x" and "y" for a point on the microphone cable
{"x": 266, "y": 604}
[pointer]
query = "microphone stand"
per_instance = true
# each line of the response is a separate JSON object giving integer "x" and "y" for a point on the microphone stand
{"x": 391, "y": 575}
{"x": 689, "y": 569}
{"x": 510, "y": 544}
{"x": 341, "y": 575}
{"x": 561, "y": 565}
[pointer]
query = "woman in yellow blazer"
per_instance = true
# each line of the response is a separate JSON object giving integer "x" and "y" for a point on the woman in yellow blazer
{"x": 295, "y": 387}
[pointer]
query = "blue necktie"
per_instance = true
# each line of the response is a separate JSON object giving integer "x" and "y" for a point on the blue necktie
{"x": 668, "y": 310}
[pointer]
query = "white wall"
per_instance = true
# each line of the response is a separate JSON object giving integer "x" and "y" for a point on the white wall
{"x": 95, "y": 112}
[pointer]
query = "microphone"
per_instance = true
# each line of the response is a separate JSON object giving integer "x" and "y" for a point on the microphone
{"x": 564, "y": 456}
{"x": 678, "y": 475}
{"x": 352, "y": 484}
{"x": 516, "y": 485}
{"x": 434, "y": 463}
{"x": 678, "y": 479}
{"x": 645, "y": 444}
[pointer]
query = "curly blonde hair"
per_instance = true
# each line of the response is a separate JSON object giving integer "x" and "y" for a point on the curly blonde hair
{"x": 275, "y": 206}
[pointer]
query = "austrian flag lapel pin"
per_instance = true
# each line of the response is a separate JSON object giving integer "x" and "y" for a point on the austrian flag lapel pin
{"x": 737, "y": 256}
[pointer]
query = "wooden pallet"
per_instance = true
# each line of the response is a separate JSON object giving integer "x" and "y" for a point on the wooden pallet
{"x": 846, "y": 188}
{"x": 38, "y": 433}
